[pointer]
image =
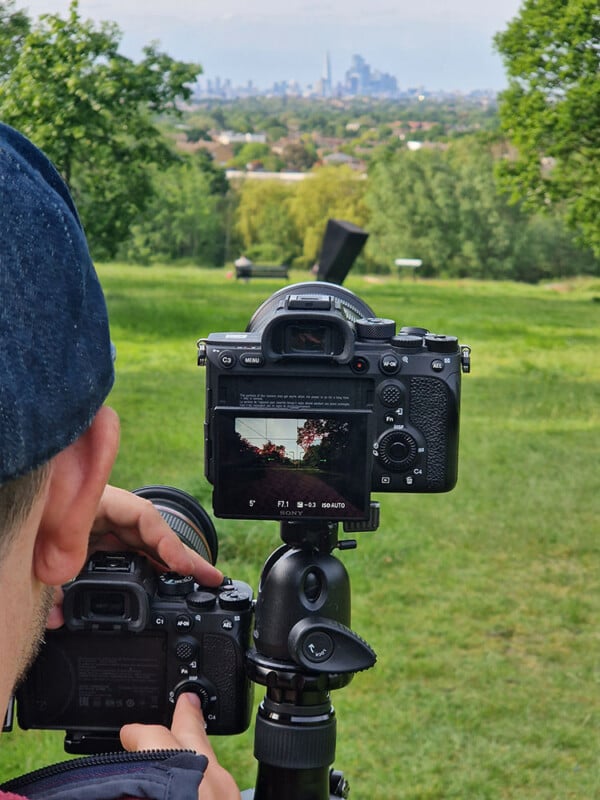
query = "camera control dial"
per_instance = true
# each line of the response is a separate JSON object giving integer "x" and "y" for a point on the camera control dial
{"x": 202, "y": 601}
{"x": 437, "y": 343}
{"x": 397, "y": 450}
{"x": 193, "y": 686}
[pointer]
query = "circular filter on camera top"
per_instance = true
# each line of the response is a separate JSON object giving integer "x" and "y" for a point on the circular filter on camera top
{"x": 184, "y": 514}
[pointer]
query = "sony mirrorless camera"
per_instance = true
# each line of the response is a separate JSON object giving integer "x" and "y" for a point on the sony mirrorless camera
{"x": 319, "y": 402}
{"x": 135, "y": 639}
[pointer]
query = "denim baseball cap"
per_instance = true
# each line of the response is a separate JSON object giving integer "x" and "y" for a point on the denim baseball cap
{"x": 55, "y": 353}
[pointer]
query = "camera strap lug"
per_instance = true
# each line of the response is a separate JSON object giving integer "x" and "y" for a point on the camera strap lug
{"x": 202, "y": 353}
{"x": 465, "y": 358}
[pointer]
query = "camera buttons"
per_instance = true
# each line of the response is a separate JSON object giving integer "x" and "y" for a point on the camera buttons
{"x": 227, "y": 359}
{"x": 389, "y": 364}
{"x": 359, "y": 364}
{"x": 397, "y": 450}
{"x": 252, "y": 360}
{"x": 193, "y": 686}
{"x": 185, "y": 651}
{"x": 183, "y": 622}
{"x": 437, "y": 365}
{"x": 391, "y": 394}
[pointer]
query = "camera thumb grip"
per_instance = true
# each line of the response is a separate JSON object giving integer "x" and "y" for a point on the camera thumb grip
{"x": 319, "y": 644}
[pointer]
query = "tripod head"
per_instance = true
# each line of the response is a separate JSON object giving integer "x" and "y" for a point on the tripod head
{"x": 304, "y": 647}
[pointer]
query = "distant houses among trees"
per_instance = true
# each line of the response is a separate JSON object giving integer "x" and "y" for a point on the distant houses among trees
{"x": 161, "y": 176}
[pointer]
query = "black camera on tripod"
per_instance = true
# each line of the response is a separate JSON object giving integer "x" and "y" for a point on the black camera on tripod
{"x": 321, "y": 402}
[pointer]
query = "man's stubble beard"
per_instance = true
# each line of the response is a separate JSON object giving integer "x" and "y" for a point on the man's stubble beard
{"x": 37, "y": 629}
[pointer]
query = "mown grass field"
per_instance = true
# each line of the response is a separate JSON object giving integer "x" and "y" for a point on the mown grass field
{"x": 483, "y": 604}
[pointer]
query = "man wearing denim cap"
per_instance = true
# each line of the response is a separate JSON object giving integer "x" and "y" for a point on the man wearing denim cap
{"x": 58, "y": 441}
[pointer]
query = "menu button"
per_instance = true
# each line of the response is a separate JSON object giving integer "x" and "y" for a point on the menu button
{"x": 252, "y": 360}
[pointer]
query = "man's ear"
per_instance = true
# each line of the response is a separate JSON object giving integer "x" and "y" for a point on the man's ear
{"x": 78, "y": 477}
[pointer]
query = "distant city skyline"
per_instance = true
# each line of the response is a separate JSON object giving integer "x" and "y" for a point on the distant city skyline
{"x": 360, "y": 79}
{"x": 432, "y": 43}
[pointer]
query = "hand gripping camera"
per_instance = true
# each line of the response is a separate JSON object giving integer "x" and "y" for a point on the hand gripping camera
{"x": 135, "y": 639}
{"x": 321, "y": 402}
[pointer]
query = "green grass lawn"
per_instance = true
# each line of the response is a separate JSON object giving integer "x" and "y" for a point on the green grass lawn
{"x": 483, "y": 604}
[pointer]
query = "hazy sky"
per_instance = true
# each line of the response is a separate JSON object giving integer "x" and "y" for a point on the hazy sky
{"x": 439, "y": 44}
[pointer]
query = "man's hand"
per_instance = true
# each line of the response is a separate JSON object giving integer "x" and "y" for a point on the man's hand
{"x": 125, "y": 521}
{"x": 188, "y": 733}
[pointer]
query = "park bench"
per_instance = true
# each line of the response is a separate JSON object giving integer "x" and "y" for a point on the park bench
{"x": 247, "y": 271}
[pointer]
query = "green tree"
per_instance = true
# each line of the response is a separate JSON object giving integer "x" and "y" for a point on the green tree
{"x": 413, "y": 210}
{"x": 14, "y": 26}
{"x": 184, "y": 218}
{"x": 445, "y": 208}
{"x": 299, "y": 155}
{"x": 486, "y": 223}
{"x": 327, "y": 192}
{"x": 255, "y": 152}
{"x": 92, "y": 110}
{"x": 195, "y": 134}
{"x": 551, "y": 109}
{"x": 264, "y": 221}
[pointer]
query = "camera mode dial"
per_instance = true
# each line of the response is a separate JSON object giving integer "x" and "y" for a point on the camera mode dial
{"x": 170, "y": 584}
{"x": 397, "y": 450}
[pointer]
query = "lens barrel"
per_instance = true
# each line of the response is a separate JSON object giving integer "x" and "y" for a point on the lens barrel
{"x": 184, "y": 514}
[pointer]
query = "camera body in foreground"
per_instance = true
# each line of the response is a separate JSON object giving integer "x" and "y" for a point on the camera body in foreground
{"x": 133, "y": 641}
{"x": 320, "y": 403}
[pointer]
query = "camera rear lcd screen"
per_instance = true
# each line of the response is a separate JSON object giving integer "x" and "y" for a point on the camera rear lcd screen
{"x": 309, "y": 465}
{"x": 100, "y": 681}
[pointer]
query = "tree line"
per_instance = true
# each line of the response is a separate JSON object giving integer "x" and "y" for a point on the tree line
{"x": 502, "y": 202}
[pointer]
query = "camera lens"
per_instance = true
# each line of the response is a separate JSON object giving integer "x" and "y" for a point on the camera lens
{"x": 186, "y": 517}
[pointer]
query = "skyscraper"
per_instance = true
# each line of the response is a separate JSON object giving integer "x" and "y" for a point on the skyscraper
{"x": 327, "y": 82}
